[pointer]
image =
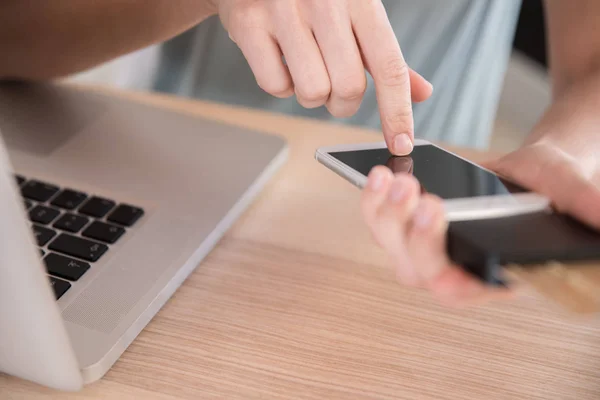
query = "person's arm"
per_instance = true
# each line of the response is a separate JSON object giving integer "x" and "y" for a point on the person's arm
{"x": 573, "y": 41}
{"x": 559, "y": 160}
{"x": 48, "y": 39}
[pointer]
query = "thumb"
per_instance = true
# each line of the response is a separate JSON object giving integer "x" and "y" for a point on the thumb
{"x": 547, "y": 170}
{"x": 421, "y": 89}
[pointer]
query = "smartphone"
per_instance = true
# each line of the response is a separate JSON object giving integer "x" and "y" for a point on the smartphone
{"x": 469, "y": 191}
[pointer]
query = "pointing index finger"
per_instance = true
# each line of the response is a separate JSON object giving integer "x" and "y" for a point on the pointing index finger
{"x": 384, "y": 60}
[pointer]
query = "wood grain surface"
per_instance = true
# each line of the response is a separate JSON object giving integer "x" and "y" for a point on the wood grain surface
{"x": 296, "y": 302}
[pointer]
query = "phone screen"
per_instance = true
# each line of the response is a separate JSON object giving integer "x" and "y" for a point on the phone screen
{"x": 438, "y": 171}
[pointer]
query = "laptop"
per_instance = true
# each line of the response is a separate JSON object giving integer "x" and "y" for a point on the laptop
{"x": 106, "y": 206}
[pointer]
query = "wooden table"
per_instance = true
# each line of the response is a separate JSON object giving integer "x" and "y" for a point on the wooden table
{"x": 297, "y": 303}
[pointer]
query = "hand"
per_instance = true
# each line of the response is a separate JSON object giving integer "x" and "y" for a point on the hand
{"x": 327, "y": 44}
{"x": 560, "y": 160}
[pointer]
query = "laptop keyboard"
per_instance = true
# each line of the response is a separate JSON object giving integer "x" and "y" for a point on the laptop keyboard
{"x": 73, "y": 229}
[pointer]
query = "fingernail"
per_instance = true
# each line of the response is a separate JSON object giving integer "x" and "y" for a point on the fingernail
{"x": 397, "y": 192}
{"x": 402, "y": 145}
{"x": 423, "y": 216}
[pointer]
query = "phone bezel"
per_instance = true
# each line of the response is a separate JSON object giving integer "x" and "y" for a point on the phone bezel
{"x": 483, "y": 207}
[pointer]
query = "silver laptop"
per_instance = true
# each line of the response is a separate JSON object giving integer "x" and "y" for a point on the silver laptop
{"x": 106, "y": 206}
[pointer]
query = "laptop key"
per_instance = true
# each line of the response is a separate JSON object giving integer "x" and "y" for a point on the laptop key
{"x": 38, "y": 191}
{"x": 71, "y": 222}
{"x": 65, "y": 267}
{"x": 60, "y": 287}
{"x": 104, "y": 232}
{"x": 42, "y": 235}
{"x": 20, "y": 180}
{"x": 43, "y": 215}
{"x": 97, "y": 207}
{"x": 125, "y": 215}
{"x": 77, "y": 247}
{"x": 69, "y": 199}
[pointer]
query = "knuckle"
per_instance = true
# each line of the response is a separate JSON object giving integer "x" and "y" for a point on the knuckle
{"x": 398, "y": 119}
{"x": 350, "y": 89}
{"x": 394, "y": 72}
{"x": 315, "y": 93}
{"x": 276, "y": 88}
{"x": 338, "y": 111}
{"x": 341, "y": 110}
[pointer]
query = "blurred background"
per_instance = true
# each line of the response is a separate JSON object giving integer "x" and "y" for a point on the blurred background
{"x": 525, "y": 95}
{"x": 527, "y": 89}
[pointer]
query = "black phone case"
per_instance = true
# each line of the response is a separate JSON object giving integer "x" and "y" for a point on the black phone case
{"x": 483, "y": 247}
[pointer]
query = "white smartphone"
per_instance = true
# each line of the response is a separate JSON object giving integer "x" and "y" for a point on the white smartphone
{"x": 468, "y": 190}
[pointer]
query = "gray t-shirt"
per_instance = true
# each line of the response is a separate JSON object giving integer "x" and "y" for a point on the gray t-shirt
{"x": 461, "y": 46}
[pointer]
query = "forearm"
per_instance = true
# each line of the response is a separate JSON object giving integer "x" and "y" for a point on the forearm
{"x": 574, "y": 41}
{"x": 48, "y": 39}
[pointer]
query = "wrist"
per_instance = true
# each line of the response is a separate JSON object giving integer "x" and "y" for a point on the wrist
{"x": 570, "y": 122}
{"x": 568, "y": 80}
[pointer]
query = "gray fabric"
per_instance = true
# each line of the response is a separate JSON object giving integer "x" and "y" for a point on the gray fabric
{"x": 461, "y": 46}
